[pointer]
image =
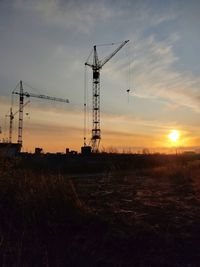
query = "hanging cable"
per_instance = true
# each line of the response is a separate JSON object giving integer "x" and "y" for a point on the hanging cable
{"x": 88, "y": 106}
{"x": 33, "y": 88}
{"x": 5, "y": 128}
{"x": 85, "y": 106}
{"x": 89, "y": 56}
{"x": 15, "y": 88}
{"x": 127, "y": 51}
{"x": 129, "y": 68}
{"x": 129, "y": 76}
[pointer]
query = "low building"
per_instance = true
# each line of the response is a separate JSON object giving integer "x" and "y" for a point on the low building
{"x": 9, "y": 149}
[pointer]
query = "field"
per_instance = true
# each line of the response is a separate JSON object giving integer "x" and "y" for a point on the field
{"x": 111, "y": 210}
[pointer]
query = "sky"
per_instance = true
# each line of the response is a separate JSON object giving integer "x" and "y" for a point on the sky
{"x": 45, "y": 43}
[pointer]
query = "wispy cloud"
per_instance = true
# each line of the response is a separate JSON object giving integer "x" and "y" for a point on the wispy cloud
{"x": 157, "y": 77}
{"x": 156, "y": 74}
{"x": 78, "y": 15}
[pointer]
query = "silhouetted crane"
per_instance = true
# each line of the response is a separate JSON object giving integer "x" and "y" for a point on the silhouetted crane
{"x": 96, "y": 67}
{"x": 23, "y": 94}
{"x": 11, "y": 117}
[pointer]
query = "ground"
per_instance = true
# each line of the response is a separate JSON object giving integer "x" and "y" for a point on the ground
{"x": 147, "y": 214}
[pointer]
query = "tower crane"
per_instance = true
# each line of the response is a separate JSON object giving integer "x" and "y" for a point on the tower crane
{"x": 23, "y": 94}
{"x": 96, "y": 67}
{"x": 11, "y": 118}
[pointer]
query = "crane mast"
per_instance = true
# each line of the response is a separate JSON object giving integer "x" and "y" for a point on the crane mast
{"x": 96, "y": 131}
{"x": 21, "y": 103}
{"x": 11, "y": 118}
{"x": 96, "y": 67}
{"x": 23, "y": 94}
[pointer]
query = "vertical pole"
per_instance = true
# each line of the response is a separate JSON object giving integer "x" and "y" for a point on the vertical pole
{"x": 85, "y": 107}
{"x": 11, "y": 124}
{"x": 96, "y": 132}
{"x": 21, "y": 102}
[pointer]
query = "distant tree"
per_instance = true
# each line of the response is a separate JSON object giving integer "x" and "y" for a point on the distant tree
{"x": 145, "y": 151}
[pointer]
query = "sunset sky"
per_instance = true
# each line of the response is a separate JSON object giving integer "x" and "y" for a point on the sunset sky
{"x": 45, "y": 43}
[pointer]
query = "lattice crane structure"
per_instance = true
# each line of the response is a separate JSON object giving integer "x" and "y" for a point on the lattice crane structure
{"x": 96, "y": 67}
{"x": 23, "y": 94}
{"x": 11, "y": 118}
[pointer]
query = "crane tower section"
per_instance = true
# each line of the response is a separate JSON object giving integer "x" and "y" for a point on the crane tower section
{"x": 21, "y": 103}
{"x": 96, "y": 67}
{"x": 96, "y": 132}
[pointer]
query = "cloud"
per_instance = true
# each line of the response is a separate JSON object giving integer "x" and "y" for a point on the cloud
{"x": 85, "y": 16}
{"x": 156, "y": 74}
{"x": 79, "y": 15}
{"x": 159, "y": 79}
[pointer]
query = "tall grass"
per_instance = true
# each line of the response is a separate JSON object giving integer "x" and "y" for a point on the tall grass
{"x": 46, "y": 217}
{"x": 35, "y": 209}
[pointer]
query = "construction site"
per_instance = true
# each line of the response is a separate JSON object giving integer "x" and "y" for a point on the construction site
{"x": 99, "y": 133}
{"x": 91, "y": 145}
{"x": 91, "y": 207}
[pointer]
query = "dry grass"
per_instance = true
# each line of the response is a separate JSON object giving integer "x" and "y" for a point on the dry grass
{"x": 141, "y": 217}
{"x": 34, "y": 209}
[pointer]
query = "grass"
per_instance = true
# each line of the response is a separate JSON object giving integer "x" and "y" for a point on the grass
{"x": 147, "y": 215}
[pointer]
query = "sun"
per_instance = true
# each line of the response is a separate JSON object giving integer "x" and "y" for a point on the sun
{"x": 174, "y": 136}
